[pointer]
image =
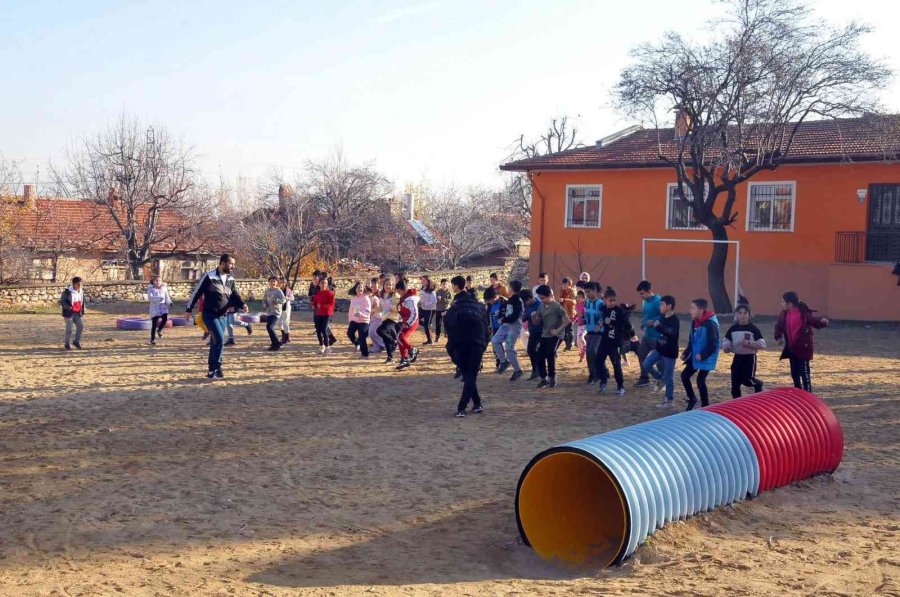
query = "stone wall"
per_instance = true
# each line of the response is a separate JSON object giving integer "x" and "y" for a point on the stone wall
{"x": 41, "y": 296}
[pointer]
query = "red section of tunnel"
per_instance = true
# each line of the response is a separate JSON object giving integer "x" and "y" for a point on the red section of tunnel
{"x": 795, "y": 434}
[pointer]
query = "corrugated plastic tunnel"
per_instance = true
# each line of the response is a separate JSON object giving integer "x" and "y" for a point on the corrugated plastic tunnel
{"x": 592, "y": 502}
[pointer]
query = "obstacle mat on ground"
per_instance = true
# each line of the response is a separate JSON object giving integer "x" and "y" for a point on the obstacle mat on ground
{"x": 592, "y": 502}
{"x": 138, "y": 323}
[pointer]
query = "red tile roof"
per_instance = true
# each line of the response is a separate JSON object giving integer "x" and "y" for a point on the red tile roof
{"x": 851, "y": 139}
{"x": 53, "y": 223}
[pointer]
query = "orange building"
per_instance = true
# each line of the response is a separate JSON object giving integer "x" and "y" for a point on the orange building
{"x": 825, "y": 224}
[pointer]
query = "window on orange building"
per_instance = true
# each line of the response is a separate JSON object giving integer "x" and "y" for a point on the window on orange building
{"x": 770, "y": 206}
{"x": 679, "y": 213}
{"x": 583, "y": 206}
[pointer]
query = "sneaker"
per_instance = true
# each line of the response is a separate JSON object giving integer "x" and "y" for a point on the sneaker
{"x": 544, "y": 383}
{"x": 601, "y": 387}
{"x": 218, "y": 373}
{"x": 427, "y": 343}
{"x": 249, "y": 329}
{"x": 757, "y": 388}
{"x": 275, "y": 347}
{"x": 534, "y": 376}
{"x": 152, "y": 343}
{"x": 551, "y": 383}
{"x": 229, "y": 342}
{"x": 159, "y": 332}
{"x": 620, "y": 391}
{"x": 460, "y": 414}
{"x": 210, "y": 374}
{"x": 581, "y": 358}
{"x": 205, "y": 336}
{"x": 413, "y": 355}
{"x": 458, "y": 374}
{"x": 642, "y": 383}
{"x": 591, "y": 380}
{"x": 328, "y": 351}
{"x": 77, "y": 345}
{"x": 660, "y": 386}
{"x": 478, "y": 410}
{"x": 691, "y": 405}
{"x": 404, "y": 363}
{"x": 364, "y": 356}
{"x": 503, "y": 367}
{"x": 68, "y": 348}
{"x": 666, "y": 404}
{"x": 516, "y": 376}
{"x": 322, "y": 350}
{"x": 388, "y": 360}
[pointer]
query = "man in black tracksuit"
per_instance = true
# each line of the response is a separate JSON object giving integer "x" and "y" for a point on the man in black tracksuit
{"x": 219, "y": 295}
{"x": 468, "y": 328}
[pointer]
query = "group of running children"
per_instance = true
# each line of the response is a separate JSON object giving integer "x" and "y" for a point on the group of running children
{"x": 387, "y": 310}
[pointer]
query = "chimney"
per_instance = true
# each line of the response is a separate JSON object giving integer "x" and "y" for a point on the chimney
{"x": 284, "y": 193}
{"x": 682, "y": 123}
{"x": 408, "y": 206}
{"x": 28, "y": 196}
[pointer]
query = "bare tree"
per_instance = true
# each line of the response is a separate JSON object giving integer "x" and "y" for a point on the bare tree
{"x": 10, "y": 220}
{"x": 559, "y": 136}
{"x": 145, "y": 183}
{"x": 344, "y": 196}
{"x": 278, "y": 239}
{"x": 742, "y": 98}
{"x": 467, "y": 223}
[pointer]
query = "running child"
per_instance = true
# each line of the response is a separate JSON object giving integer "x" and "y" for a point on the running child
{"x": 444, "y": 296}
{"x": 532, "y": 320}
{"x": 285, "y": 322}
{"x": 505, "y": 338}
{"x": 702, "y": 351}
{"x": 360, "y": 318}
{"x": 744, "y": 339}
{"x": 795, "y": 330}
{"x": 390, "y": 320}
{"x": 323, "y": 307}
{"x": 567, "y": 300}
{"x": 554, "y": 320}
{"x": 427, "y": 307}
{"x": 665, "y": 349}
{"x": 233, "y": 319}
{"x": 580, "y": 329}
{"x": 160, "y": 299}
{"x": 616, "y": 326}
{"x": 273, "y": 303}
{"x": 409, "y": 323}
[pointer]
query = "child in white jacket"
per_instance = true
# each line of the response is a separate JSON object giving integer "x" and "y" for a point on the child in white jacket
{"x": 160, "y": 299}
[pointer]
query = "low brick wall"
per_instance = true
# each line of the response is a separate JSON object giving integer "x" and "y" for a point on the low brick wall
{"x": 25, "y": 296}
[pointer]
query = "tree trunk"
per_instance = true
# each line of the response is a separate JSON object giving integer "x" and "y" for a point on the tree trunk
{"x": 137, "y": 269}
{"x": 718, "y": 293}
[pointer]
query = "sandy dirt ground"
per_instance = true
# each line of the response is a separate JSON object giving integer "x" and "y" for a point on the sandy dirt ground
{"x": 124, "y": 471}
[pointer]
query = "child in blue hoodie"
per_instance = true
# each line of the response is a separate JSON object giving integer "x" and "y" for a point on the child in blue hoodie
{"x": 702, "y": 351}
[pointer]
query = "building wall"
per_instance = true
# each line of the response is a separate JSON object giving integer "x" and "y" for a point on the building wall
{"x": 634, "y": 207}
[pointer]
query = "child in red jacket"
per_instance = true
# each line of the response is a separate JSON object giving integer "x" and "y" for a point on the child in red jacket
{"x": 795, "y": 330}
{"x": 323, "y": 304}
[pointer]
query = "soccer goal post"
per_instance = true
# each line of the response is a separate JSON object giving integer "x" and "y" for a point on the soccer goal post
{"x": 737, "y": 257}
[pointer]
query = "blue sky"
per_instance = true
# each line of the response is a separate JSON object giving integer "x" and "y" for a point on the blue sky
{"x": 426, "y": 89}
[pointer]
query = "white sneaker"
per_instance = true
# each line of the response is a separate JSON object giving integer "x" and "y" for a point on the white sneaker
{"x": 327, "y": 351}
{"x": 321, "y": 350}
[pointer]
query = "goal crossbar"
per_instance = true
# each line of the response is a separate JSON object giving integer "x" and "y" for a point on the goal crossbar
{"x": 737, "y": 256}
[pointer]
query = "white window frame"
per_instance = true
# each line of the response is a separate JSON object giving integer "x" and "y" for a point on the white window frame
{"x": 669, "y": 188}
{"x": 599, "y": 206}
{"x": 789, "y": 183}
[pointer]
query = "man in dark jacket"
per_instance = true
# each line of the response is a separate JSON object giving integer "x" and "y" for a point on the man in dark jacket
{"x": 468, "y": 334}
{"x": 219, "y": 295}
{"x": 72, "y": 303}
{"x": 505, "y": 338}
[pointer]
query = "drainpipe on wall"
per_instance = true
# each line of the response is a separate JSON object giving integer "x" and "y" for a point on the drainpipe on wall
{"x": 534, "y": 189}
